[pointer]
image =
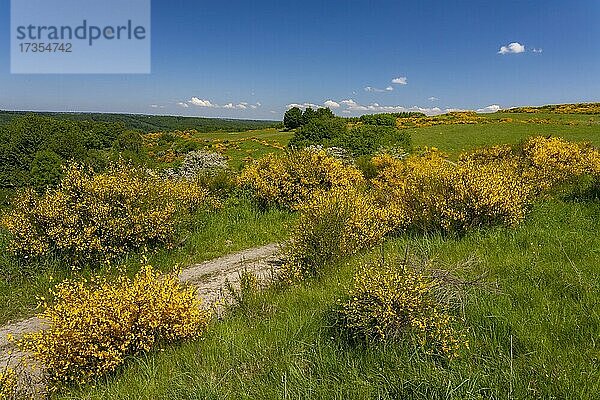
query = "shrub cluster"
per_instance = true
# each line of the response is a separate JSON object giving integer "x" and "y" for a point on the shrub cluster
{"x": 391, "y": 301}
{"x": 578, "y": 108}
{"x": 93, "y": 326}
{"x": 360, "y": 139}
{"x": 289, "y": 179}
{"x": 198, "y": 164}
{"x": 428, "y": 192}
{"x": 388, "y": 119}
{"x": 331, "y": 225}
{"x": 452, "y": 118}
{"x": 90, "y": 217}
{"x": 544, "y": 163}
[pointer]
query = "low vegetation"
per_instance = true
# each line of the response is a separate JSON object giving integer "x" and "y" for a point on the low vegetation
{"x": 288, "y": 179}
{"x": 90, "y": 217}
{"x": 460, "y": 267}
{"x": 94, "y": 326}
{"x": 388, "y": 302}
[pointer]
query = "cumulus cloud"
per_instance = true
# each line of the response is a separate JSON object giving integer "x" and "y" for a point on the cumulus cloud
{"x": 489, "y": 109}
{"x": 209, "y": 104}
{"x": 353, "y": 107}
{"x": 401, "y": 80}
{"x": 202, "y": 103}
{"x": 540, "y": 50}
{"x": 512, "y": 48}
{"x": 331, "y": 104}
{"x": 303, "y": 106}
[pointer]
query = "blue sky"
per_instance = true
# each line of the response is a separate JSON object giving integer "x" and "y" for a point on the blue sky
{"x": 252, "y": 59}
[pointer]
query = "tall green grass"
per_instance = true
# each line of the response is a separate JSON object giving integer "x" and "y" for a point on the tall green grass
{"x": 532, "y": 322}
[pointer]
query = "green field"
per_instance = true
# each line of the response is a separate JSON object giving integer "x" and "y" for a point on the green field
{"x": 457, "y": 138}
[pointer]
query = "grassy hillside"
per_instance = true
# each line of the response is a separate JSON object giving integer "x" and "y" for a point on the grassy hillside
{"x": 532, "y": 324}
{"x": 500, "y": 128}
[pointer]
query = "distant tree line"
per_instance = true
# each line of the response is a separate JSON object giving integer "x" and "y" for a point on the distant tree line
{"x": 153, "y": 123}
{"x": 34, "y": 148}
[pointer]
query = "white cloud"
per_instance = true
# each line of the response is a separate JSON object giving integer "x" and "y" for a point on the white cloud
{"x": 202, "y": 103}
{"x": 489, "y": 109}
{"x": 540, "y": 50}
{"x": 352, "y": 107}
{"x": 401, "y": 80}
{"x": 331, "y": 104}
{"x": 154, "y": 105}
{"x": 377, "y": 90}
{"x": 433, "y": 98}
{"x": 208, "y": 104}
{"x": 303, "y": 106}
{"x": 512, "y": 48}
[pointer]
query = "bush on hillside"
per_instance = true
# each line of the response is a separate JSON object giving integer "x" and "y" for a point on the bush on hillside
{"x": 290, "y": 178}
{"x": 319, "y": 131}
{"x": 94, "y": 326}
{"x": 388, "y": 119}
{"x": 428, "y": 192}
{"x": 389, "y": 301}
{"x": 8, "y": 383}
{"x": 332, "y": 225}
{"x": 89, "y": 217}
{"x": 369, "y": 139}
{"x": 362, "y": 139}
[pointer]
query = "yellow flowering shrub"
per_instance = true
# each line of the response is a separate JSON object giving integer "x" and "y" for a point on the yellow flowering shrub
{"x": 93, "y": 326}
{"x": 429, "y": 192}
{"x": 290, "y": 178}
{"x": 96, "y": 216}
{"x": 451, "y": 118}
{"x": 578, "y": 108}
{"x": 391, "y": 301}
{"x": 554, "y": 161}
{"x": 8, "y": 384}
{"x": 333, "y": 224}
{"x": 543, "y": 162}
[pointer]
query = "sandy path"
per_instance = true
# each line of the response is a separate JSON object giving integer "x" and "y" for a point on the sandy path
{"x": 209, "y": 277}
